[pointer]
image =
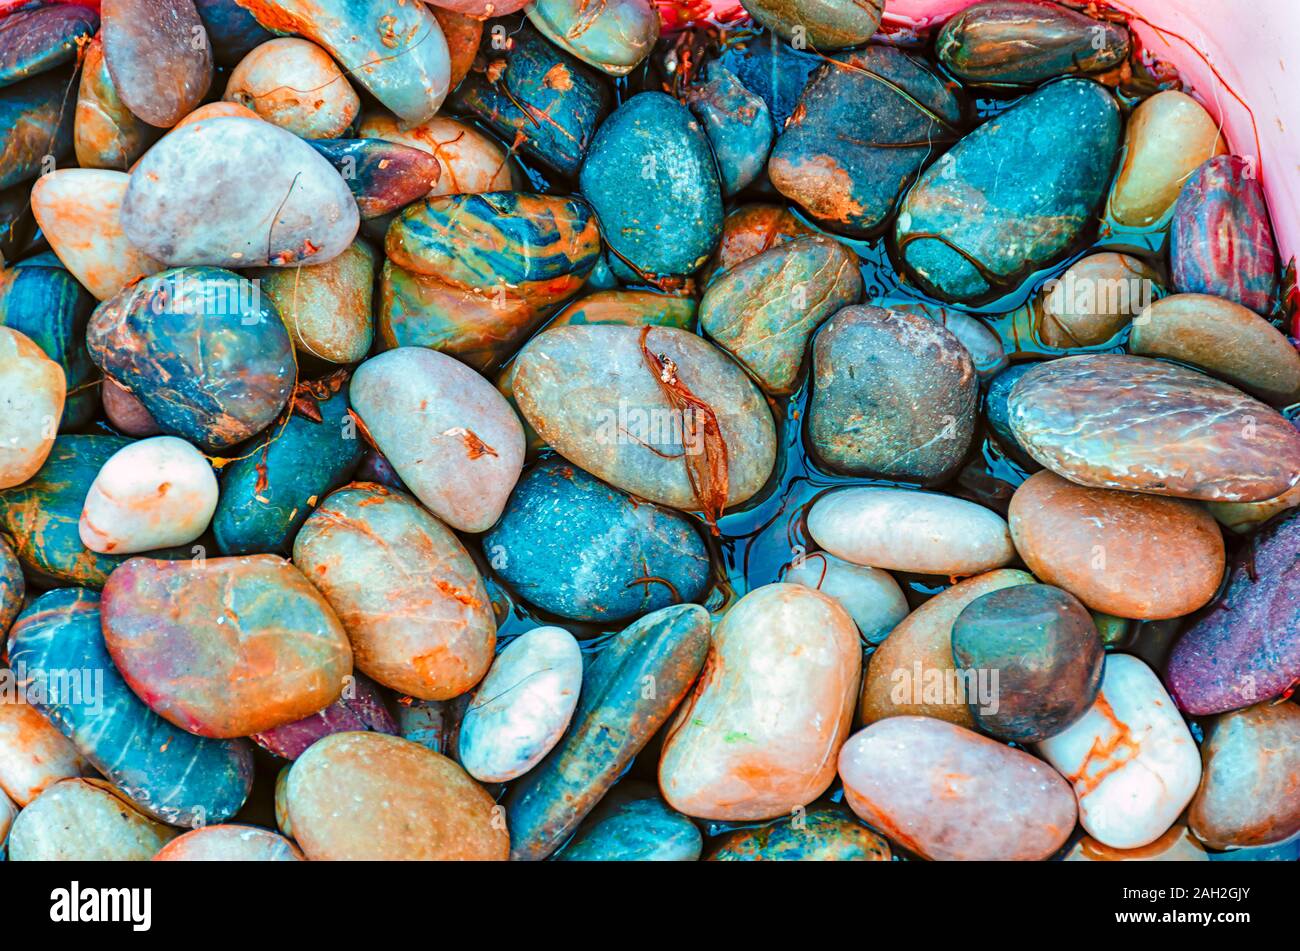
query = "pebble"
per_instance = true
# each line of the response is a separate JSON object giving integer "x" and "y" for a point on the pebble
{"x": 632, "y": 824}
{"x": 471, "y": 161}
{"x": 369, "y": 797}
{"x": 1131, "y": 555}
{"x": 1168, "y": 136}
{"x": 871, "y": 596}
{"x": 84, "y": 820}
{"x": 34, "y": 755}
{"x": 895, "y": 396}
{"x": 908, "y": 530}
{"x": 328, "y": 307}
{"x": 828, "y": 834}
{"x": 106, "y": 134}
{"x": 293, "y": 83}
{"x": 614, "y": 37}
{"x": 1125, "y": 422}
{"x": 158, "y": 55}
{"x": 758, "y": 737}
{"x": 738, "y": 124}
{"x": 1042, "y": 646}
{"x": 1133, "y": 764}
{"x": 359, "y": 707}
{"x": 913, "y": 673}
{"x": 448, "y": 433}
{"x": 523, "y": 705}
{"x": 1252, "y": 768}
{"x": 32, "y": 391}
{"x": 1094, "y": 299}
{"x": 229, "y": 843}
{"x": 405, "y": 588}
{"x": 949, "y": 794}
{"x": 272, "y": 650}
{"x": 824, "y": 24}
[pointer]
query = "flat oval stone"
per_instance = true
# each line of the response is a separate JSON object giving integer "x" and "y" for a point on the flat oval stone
{"x": 1042, "y": 646}
{"x": 1100, "y": 544}
{"x": 749, "y": 230}
{"x": 327, "y": 307}
{"x": 906, "y": 530}
{"x": 178, "y": 209}
{"x": 758, "y": 736}
{"x": 360, "y": 707}
{"x": 124, "y": 412}
{"x": 613, "y": 37}
{"x": 1245, "y": 648}
{"x": 1167, "y": 137}
{"x": 1011, "y": 42}
{"x": 949, "y": 794}
{"x": 764, "y": 310}
{"x": 871, "y": 596}
{"x": 41, "y": 515}
{"x": 158, "y": 54}
{"x": 634, "y": 828}
{"x": 293, "y": 83}
{"x": 106, "y": 134}
{"x": 478, "y": 326}
{"x": 895, "y": 396}
{"x": 590, "y": 394}
{"x": 45, "y": 302}
{"x": 270, "y": 649}
{"x": 37, "y": 124}
{"x": 1224, "y": 339}
{"x": 172, "y": 775}
{"x": 384, "y": 176}
{"x": 912, "y": 672}
{"x": 268, "y": 494}
{"x": 471, "y": 162}
{"x": 36, "y": 39}
{"x": 12, "y": 587}
{"x": 1221, "y": 238}
{"x": 822, "y": 24}
{"x": 32, "y": 391}
{"x": 509, "y": 89}
{"x": 1094, "y": 299}
{"x": 230, "y": 843}
{"x": 576, "y": 547}
{"x": 84, "y": 820}
{"x": 616, "y": 717}
{"x": 1036, "y": 172}
{"x": 410, "y": 596}
{"x": 1123, "y": 422}
{"x": 524, "y": 243}
{"x": 738, "y": 124}
{"x": 522, "y": 707}
{"x": 449, "y": 434}
{"x": 648, "y": 162}
{"x": 1252, "y": 766}
{"x": 210, "y": 359}
{"x": 1176, "y": 845}
{"x": 830, "y": 834}
{"x": 78, "y": 211}
{"x": 848, "y": 181}
{"x": 368, "y": 796}
{"x": 394, "y": 49}
{"x": 1131, "y": 759}
{"x": 154, "y": 493}
{"x": 34, "y": 755}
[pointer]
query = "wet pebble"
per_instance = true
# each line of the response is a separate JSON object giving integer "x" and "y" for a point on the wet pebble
{"x": 84, "y": 820}
{"x": 293, "y": 83}
{"x": 158, "y": 55}
{"x": 871, "y": 596}
{"x": 229, "y": 843}
{"x": 34, "y": 755}
{"x": 738, "y": 125}
{"x": 635, "y": 827}
{"x": 327, "y": 307}
{"x": 828, "y": 834}
{"x": 32, "y": 390}
{"x": 613, "y": 37}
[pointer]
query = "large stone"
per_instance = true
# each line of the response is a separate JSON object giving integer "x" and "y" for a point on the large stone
{"x": 758, "y": 737}
{"x": 1101, "y": 546}
{"x": 1123, "y": 422}
{"x": 895, "y": 396}
{"x": 85, "y": 820}
{"x": 1013, "y": 195}
{"x": 949, "y": 794}
{"x": 1131, "y": 759}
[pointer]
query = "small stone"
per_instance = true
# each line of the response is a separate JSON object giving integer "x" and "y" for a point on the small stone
{"x": 1094, "y": 299}
{"x": 871, "y": 596}
{"x": 229, "y": 843}
{"x": 85, "y": 820}
{"x": 32, "y": 390}
{"x": 613, "y": 37}
{"x": 822, "y": 24}
{"x": 738, "y": 125}
{"x": 158, "y": 55}
{"x": 34, "y": 755}
{"x": 360, "y": 707}
{"x": 293, "y": 83}
{"x": 327, "y": 307}
{"x": 831, "y": 834}
{"x": 632, "y": 824}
